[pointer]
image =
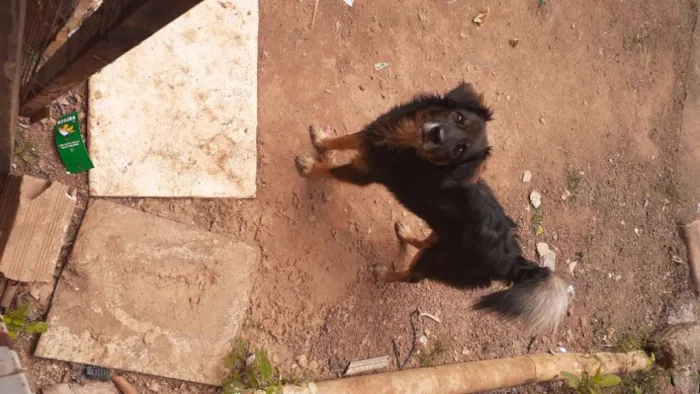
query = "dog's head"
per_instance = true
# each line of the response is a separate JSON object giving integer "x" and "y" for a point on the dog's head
{"x": 455, "y": 132}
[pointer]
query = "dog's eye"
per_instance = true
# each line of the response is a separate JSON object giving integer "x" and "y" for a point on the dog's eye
{"x": 459, "y": 119}
{"x": 459, "y": 150}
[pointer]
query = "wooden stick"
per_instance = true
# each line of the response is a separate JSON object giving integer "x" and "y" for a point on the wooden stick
{"x": 313, "y": 17}
{"x": 479, "y": 376}
{"x": 690, "y": 234}
{"x": 123, "y": 385}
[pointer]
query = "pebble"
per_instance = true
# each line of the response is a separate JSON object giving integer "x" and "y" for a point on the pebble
{"x": 423, "y": 340}
{"x": 542, "y": 120}
{"x": 527, "y": 176}
{"x": 303, "y": 361}
{"x": 466, "y": 352}
{"x": 150, "y": 337}
{"x": 535, "y": 199}
{"x": 572, "y": 266}
{"x": 547, "y": 256}
{"x": 565, "y": 195}
{"x": 154, "y": 386}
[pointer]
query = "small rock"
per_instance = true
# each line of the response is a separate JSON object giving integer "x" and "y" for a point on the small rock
{"x": 542, "y": 120}
{"x": 313, "y": 365}
{"x": 565, "y": 195}
{"x": 466, "y": 352}
{"x": 462, "y": 35}
{"x": 423, "y": 340}
{"x": 303, "y": 361}
{"x": 637, "y": 231}
{"x": 527, "y": 176}
{"x": 154, "y": 386}
{"x": 535, "y": 199}
{"x": 547, "y": 256}
{"x": 250, "y": 360}
{"x": 572, "y": 266}
{"x": 514, "y": 42}
{"x": 150, "y": 337}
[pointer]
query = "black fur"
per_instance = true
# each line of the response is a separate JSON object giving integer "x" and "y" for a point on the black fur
{"x": 476, "y": 241}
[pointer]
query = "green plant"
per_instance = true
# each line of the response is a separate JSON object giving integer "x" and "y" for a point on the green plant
{"x": 250, "y": 370}
{"x": 26, "y": 150}
{"x": 429, "y": 356}
{"x": 16, "y": 322}
{"x": 590, "y": 384}
{"x": 536, "y": 221}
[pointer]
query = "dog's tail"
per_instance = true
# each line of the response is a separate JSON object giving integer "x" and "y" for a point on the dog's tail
{"x": 538, "y": 299}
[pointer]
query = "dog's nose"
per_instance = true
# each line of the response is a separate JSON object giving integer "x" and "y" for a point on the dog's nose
{"x": 435, "y": 135}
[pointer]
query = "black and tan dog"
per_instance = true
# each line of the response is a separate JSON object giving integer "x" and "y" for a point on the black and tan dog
{"x": 430, "y": 154}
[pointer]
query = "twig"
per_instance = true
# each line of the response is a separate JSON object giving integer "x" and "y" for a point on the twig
{"x": 430, "y": 316}
{"x": 313, "y": 17}
{"x": 415, "y": 314}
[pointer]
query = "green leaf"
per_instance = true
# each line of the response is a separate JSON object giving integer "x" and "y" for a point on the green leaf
{"x": 41, "y": 326}
{"x": 638, "y": 390}
{"x": 608, "y": 380}
{"x": 264, "y": 366}
{"x": 12, "y": 335}
{"x": 6, "y": 319}
{"x": 571, "y": 380}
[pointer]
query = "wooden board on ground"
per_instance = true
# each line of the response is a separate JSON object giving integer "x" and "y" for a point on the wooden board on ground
{"x": 34, "y": 217}
{"x": 185, "y": 125}
{"x": 149, "y": 295}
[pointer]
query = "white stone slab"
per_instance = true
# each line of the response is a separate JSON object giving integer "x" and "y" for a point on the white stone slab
{"x": 177, "y": 115}
{"x": 149, "y": 295}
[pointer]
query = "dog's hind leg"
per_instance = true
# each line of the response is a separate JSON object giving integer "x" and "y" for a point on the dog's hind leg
{"x": 352, "y": 172}
{"x": 410, "y": 275}
{"x": 323, "y": 143}
{"x": 404, "y": 234}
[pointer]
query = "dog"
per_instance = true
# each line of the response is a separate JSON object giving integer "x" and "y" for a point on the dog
{"x": 430, "y": 153}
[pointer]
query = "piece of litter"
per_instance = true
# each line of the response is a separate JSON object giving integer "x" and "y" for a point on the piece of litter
{"x": 618, "y": 278}
{"x": 562, "y": 349}
{"x": 572, "y": 266}
{"x": 565, "y": 195}
{"x": 380, "y": 65}
{"x": 646, "y": 203}
{"x": 349, "y": 2}
{"x": 514, "y": 42}
{"x": 97, "y": 373}
{"x": 429, "y": 316}
{"x": 370, "y": 364}
{"x": 481, "y": 17}
{"x": 677, "y": 260}
{"x": 637, "y": 231}
{"x": 527, "y": 176}
{"x": 535, "y": 199}
{"x": 570, "y": 290}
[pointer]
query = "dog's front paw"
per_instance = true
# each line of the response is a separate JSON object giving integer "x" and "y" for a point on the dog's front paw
{"x": 305, "y": 165}
{"x": 403, "y": 232}
{"x": 317, "y": 136}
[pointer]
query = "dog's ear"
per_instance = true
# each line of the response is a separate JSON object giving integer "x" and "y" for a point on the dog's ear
{"x": 465, "y": 96}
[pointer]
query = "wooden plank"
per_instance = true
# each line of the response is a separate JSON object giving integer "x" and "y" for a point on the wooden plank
{"x": 12, "y": 17}
{"x": 115, "y": 28}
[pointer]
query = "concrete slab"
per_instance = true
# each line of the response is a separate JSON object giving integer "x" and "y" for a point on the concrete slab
{"x": 75, "y": 388}
{"x": 149, "y": 295}
{"x": 185, "y": 124}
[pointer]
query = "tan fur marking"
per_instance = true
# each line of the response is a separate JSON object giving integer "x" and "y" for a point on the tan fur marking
{"x": 346, "y": 142}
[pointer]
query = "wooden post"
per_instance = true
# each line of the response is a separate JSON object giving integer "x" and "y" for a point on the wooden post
{"x": 112, "y": 30}
{"x": 12, "y": 15}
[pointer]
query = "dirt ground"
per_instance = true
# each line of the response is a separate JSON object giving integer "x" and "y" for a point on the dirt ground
{"x": 589, "y": 100}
